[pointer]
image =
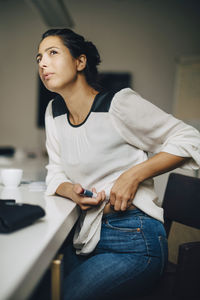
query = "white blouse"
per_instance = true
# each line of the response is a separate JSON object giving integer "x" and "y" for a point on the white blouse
{"x": 119, "y": 131}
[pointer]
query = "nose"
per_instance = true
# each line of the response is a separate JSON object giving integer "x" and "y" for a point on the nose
{"x": 43, "y": 62}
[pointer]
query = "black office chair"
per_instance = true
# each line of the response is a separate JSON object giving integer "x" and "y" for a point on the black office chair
{"x": 181, "y": 204}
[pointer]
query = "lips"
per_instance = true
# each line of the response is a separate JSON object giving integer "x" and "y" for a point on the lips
{"x": 47, "y": 75}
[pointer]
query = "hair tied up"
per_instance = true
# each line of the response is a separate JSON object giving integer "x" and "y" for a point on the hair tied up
{"x": 92, "y": 53}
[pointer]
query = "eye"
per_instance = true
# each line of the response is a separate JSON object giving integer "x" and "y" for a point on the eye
{"x": 53, "y": 52}
{"x": 38, "y": 60}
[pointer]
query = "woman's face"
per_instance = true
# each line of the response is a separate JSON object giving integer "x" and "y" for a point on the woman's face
{"x": 57, "y": 68}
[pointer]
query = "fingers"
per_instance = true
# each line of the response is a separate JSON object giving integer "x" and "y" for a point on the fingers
{"x": 101, "y": 196}
{"x": 86, "y": 203}
{"x": 120, "y": 202}
{"x": 94, "y": 190}
{"x": 91, "y": 201}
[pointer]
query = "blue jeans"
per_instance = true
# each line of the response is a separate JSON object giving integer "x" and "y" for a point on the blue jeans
{"x": 129, "y": 258}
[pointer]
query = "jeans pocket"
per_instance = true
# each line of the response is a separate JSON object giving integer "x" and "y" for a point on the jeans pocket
{"x": 124, "y": 225}
{"x": 164, "y": 252}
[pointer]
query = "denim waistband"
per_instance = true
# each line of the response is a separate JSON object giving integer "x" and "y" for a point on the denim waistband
{"x": 127, "y": 213}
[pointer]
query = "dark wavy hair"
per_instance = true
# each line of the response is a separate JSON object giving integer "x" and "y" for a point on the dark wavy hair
{"x": 77, "y": 45}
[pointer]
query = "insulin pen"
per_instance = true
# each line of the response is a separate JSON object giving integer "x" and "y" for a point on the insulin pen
{"x": 88, "y": 193}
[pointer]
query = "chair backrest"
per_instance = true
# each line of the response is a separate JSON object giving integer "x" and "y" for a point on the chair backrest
{"x": 181, "y": 201}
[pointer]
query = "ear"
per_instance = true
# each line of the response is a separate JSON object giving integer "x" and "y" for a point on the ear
{"x": 81, "y": 62}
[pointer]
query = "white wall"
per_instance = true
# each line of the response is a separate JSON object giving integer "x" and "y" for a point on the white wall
{"x": 20, "y": 32}
{"x": 143, "y": 37}
{"x": 140, "y": 36}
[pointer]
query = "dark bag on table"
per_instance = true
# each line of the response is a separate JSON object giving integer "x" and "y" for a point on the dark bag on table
{"x": 14, "y": 216}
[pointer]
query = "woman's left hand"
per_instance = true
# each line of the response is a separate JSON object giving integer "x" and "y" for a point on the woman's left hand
{"x": 125, "y": 187}
{"x": 123, "y": 191}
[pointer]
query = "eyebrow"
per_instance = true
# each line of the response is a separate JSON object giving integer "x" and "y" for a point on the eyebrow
{"x": 39, "y": 54}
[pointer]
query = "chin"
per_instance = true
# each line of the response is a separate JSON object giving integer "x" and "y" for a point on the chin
{"x": 51, "y": 87}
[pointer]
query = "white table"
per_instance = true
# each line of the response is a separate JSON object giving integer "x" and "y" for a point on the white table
{"x": 26, "y": 254}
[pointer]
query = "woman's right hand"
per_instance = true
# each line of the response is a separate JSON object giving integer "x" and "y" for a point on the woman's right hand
{"x": 86, "y": 203}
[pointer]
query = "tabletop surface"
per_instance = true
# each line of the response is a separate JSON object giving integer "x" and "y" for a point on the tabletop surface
{"x": 26, "y": 254}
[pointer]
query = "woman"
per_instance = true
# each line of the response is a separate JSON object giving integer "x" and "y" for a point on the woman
{"x": 99, "y": 141}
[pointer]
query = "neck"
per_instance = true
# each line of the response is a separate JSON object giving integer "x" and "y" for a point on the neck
{"x": 79, "y": 98}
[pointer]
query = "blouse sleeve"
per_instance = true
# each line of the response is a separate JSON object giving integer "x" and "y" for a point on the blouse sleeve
{"x": 55, "y": 173}
{"x": 150, "y": 129}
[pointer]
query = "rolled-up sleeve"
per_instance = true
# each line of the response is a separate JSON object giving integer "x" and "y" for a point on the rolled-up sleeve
{"x": 55, "y": 173}
{"x": 150, "y": 129}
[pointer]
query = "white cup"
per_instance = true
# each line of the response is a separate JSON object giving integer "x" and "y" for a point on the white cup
{"x": 11, "y": 177}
